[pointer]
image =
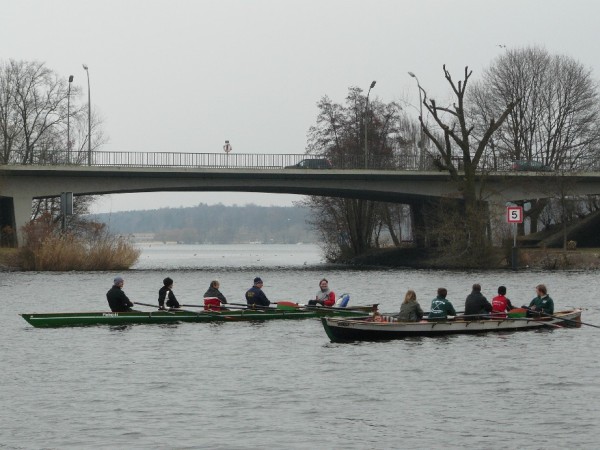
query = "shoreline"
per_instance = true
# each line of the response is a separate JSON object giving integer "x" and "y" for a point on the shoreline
{"x": 529, "y": 259}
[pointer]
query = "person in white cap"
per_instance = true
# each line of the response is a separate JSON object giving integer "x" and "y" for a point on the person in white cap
{"x": 117, "y": 300}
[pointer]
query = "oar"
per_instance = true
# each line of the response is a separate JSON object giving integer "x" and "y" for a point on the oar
{"x": 201, "y": 313}
{"x": 567, "y": 320}
{"x": 483, "y": 315}
{"x": 542, "y": 313}
{"x": 281, "y": 302}
{"x": 457, "y": 313}
{"x": 145, "y": 304}
{"x": 345, "y": 308}
{"x": 251, "y": 306}
{"x": 531, "y": 319}
{"x": 171, "y": 311}
{"x": 224, "y": 306}
{"x": 152, "y": 306}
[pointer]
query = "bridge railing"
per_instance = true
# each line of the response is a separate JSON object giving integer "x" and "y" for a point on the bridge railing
{"x": 395, "y": 161}
{"x": 219, "y": 160}
{"x": 243, "y": 160}
{"x": 257, "y": 161}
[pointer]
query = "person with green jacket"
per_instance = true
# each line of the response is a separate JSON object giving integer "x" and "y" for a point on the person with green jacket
{"x": 440, "y": 307}
{"x": 543, "y": 303}
{"x": 410, "y": 310}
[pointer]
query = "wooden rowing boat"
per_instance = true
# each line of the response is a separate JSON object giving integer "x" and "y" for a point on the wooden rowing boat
{"x": 341, "y": 329}
{"x": 76, "y": 319}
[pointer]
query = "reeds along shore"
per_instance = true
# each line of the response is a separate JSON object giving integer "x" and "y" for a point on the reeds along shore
{"x": 67, "y": 252}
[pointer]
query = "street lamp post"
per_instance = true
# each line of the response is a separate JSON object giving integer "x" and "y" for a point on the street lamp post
{"x": 69, "y": 120}
{"x": 366, "y": 122}
{"x": 89, "y": 117}
{"x": 422, "y": 138}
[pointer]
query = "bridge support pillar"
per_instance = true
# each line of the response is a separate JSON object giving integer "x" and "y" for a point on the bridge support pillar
{"x": 8, "y": 238}
{"x": 419, "y": 231}
{"x": 22, "y": 215}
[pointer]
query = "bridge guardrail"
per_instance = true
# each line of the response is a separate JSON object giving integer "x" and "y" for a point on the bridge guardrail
{"x": 395, "y": 161}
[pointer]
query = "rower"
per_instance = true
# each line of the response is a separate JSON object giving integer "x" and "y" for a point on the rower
{"x": 325, "y": 296}
{"x": 166, "y": 292}
{"x": 255, "y": 295}
{"x": 542, "y": 304}
{"x": 117, "y": 300}
{"x": 440, "y": 307}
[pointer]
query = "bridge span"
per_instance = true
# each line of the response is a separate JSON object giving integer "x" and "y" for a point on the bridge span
{"x": 20, "y": 184}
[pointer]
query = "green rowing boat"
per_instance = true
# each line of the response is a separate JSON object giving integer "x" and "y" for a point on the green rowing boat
{"x": 81, "y": 319}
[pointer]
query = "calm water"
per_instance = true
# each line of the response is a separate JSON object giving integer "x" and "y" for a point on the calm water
{"x": 282, "y": 384}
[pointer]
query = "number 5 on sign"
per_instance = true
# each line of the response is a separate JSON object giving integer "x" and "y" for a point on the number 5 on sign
{"x": 514, "y": 214}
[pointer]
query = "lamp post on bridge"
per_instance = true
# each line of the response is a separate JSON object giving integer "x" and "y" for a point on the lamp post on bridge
{"x": 366, "y": 123}
{"x": 69, "y": 120}
{"x": 89, "y": 117}
{"x": 422, "y": 136}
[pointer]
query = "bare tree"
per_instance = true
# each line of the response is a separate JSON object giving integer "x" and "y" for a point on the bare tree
{"x": 557, "y": 120}
{"x": 40, "y": 98}
{"x": 351, "y": 226}
{"x": 457, "y": 138}
{"x": 10, "y": 124}
{"x": 33, "y": 124}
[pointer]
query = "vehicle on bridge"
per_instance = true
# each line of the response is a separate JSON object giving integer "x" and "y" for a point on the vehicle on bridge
{"x": 313, "y": 163}
{"x": 530, "y": 166}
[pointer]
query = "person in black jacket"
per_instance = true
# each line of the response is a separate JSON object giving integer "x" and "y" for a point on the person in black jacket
{"x": 166, "y": 292}
{"x": 213, "y": 291}
{"x": 117, "y": 300}
{"x": 477, "y": 305}
{"x": 255, "y": 295}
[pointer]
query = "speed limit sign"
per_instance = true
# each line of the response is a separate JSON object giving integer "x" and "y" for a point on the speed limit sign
{"x": 514, "y": 214}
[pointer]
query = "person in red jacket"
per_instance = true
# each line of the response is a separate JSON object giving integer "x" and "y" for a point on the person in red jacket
{"x": 325, "y": 296}
{"x": 500, "y": 304}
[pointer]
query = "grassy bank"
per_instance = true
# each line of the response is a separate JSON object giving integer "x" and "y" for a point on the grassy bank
{"x": 529, "y": 258}
{"x": 87, "y": 246}
{"x": 68, "y": 252}
{"x": 9, "y": 258}
{"x": 558, "y": 259}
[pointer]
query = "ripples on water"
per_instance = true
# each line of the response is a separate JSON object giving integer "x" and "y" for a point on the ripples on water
{"x": 282, "y": 384}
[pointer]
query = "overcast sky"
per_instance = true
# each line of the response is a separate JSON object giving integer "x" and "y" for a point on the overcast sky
{"x": 185, "y": 75}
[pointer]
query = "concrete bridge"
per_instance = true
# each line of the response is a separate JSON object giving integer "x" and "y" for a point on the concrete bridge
{"x": 20, "y": 184}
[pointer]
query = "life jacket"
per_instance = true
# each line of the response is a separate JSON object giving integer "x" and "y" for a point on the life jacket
{"x": 342, "y": 302}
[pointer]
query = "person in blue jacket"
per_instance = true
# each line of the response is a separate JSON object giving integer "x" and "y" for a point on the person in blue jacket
{"x": 255, "y": 295}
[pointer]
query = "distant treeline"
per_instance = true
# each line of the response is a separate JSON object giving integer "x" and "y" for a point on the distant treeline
{"x": 215, "y": 224}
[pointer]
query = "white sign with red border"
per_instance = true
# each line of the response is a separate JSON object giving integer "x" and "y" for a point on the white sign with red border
{"x": 514, "y": 214}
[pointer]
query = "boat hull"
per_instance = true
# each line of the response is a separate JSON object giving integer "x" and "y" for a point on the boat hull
{"x": 360, "y": 329}
{"x": 54, "y": 320}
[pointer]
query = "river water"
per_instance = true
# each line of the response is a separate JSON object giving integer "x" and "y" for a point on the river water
{"x": 282, "y": 384}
